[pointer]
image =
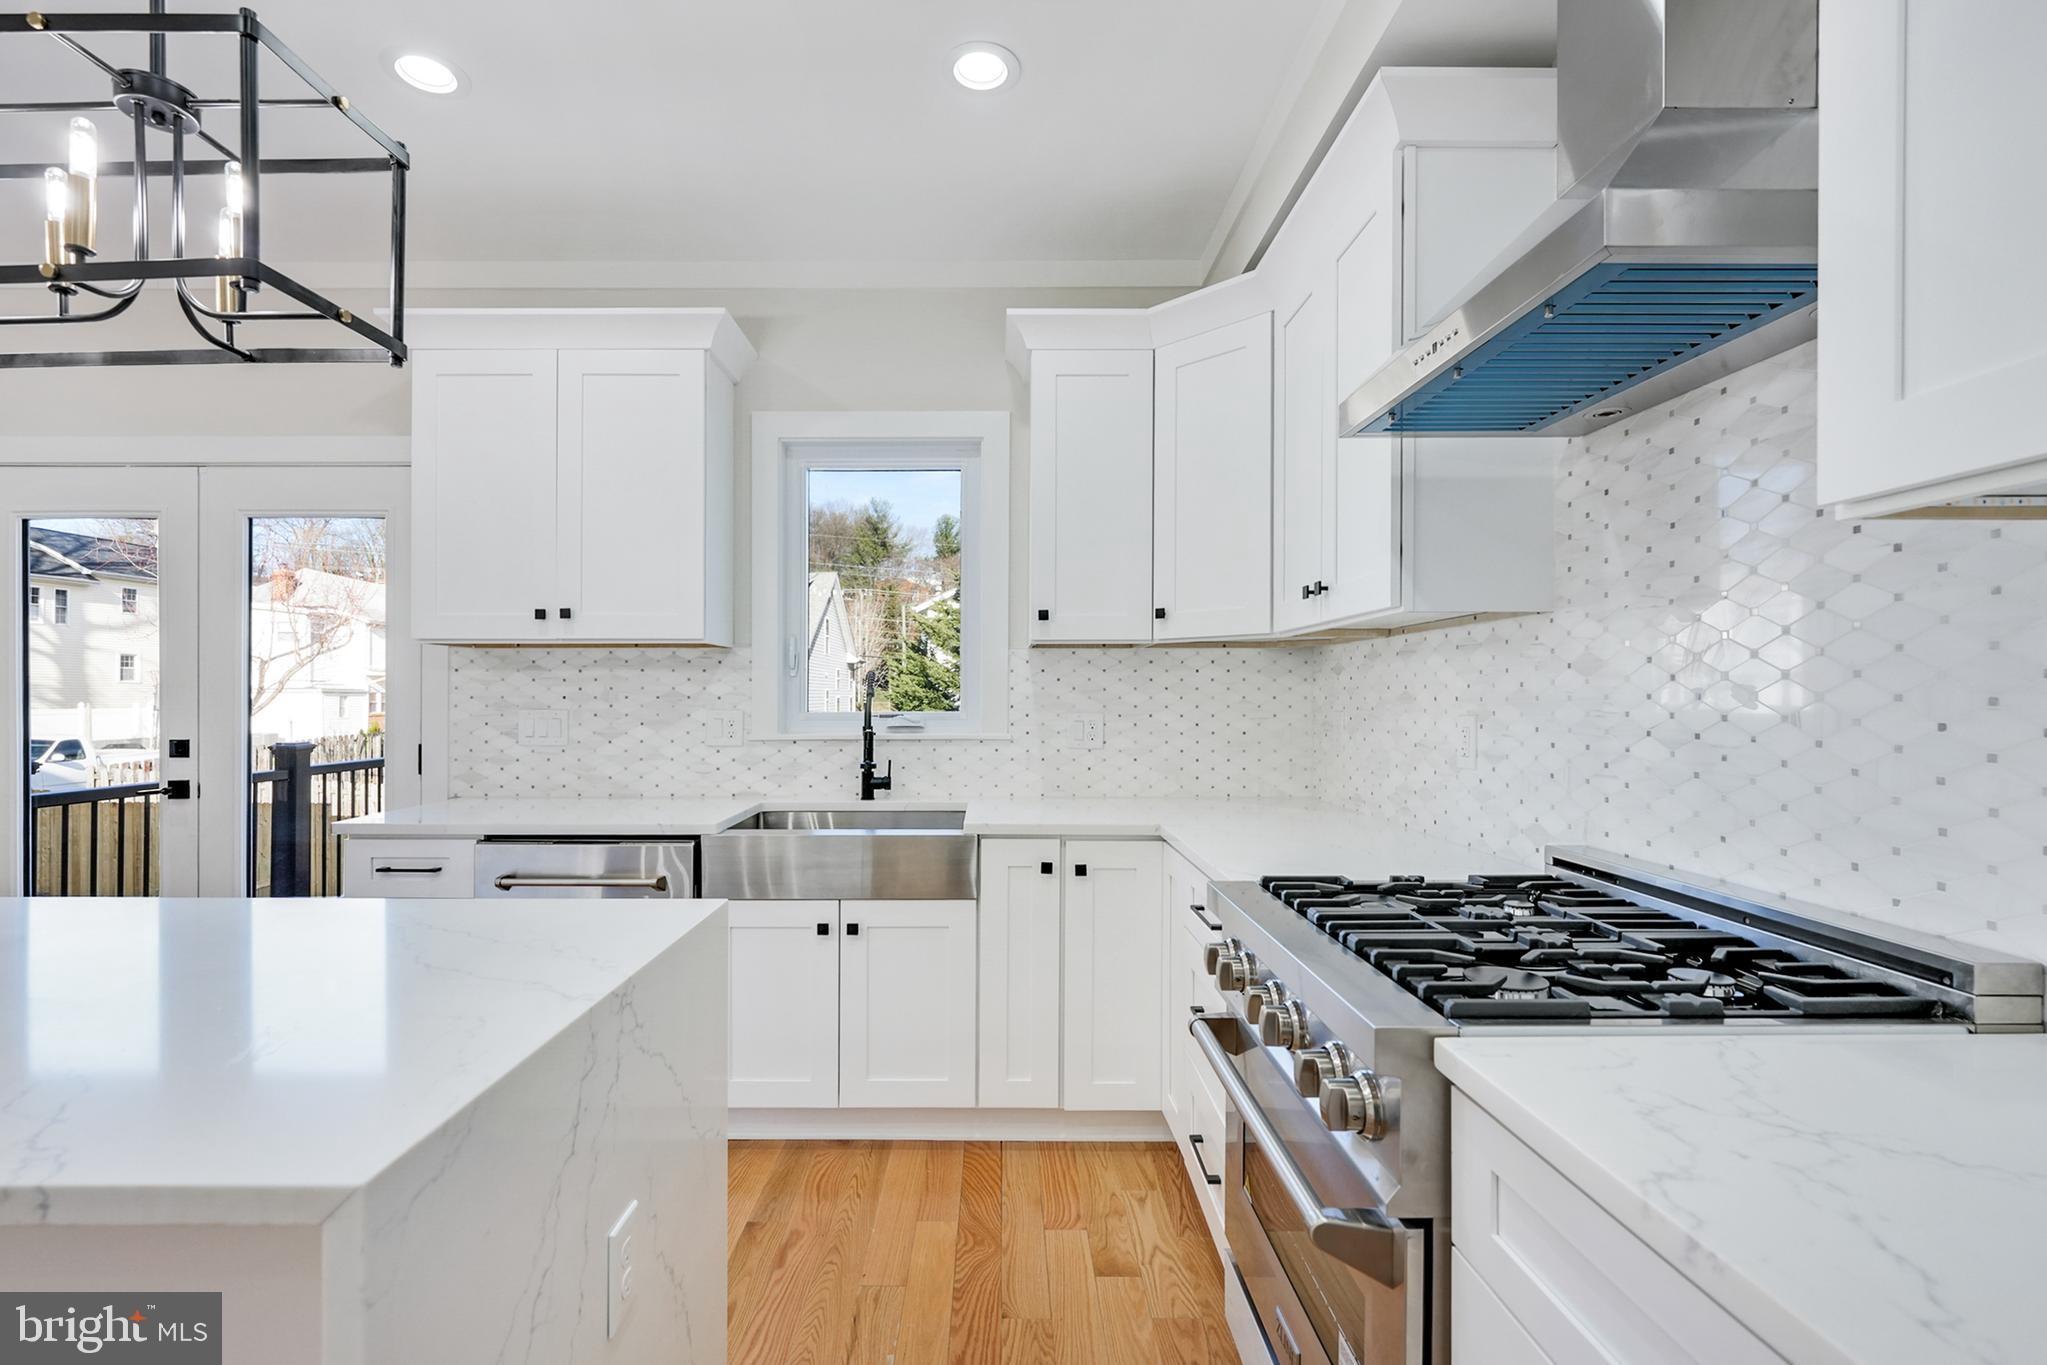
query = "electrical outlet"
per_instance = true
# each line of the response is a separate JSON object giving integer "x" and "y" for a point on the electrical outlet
{"x": 544, "y": 729}
{"x": 728, "y": 728}
{"x": 618, "y": 1262}
{"x": 1081, "y": 732}
{"x": 1467, "y": 741}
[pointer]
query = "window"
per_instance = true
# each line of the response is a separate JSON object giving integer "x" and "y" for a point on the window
{"x": 63, "y": 605}
{"x": 35, "y": 603}
{"x": 127, "y": 668}
{"x": 886, "y": 539}
{"x": 129, "y": 603}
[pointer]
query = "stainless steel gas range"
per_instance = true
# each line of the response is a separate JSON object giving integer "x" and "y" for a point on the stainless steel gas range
{"x": 1337, "y": 1198}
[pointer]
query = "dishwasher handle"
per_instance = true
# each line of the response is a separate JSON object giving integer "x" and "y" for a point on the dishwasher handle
{"x": 656, "y": 884}
{"x": 1368, "y": 1240}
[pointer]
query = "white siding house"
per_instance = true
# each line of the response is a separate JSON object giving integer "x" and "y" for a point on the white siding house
{"x": 92, "y": 637}
{"x": 833, "y": 664}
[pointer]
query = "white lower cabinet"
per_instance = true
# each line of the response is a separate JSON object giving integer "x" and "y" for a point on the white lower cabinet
{"x": 1564, "y": 1281}
{"x": 417, "y": 869}
{"x": 785, "y": 1004}
{"x": 906, "y": 1004}
{"x": 1019, "y": 949}
{"x": 1114, "y": 978}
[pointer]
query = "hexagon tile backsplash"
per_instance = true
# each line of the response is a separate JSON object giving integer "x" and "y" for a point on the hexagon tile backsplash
{"x": 1737, "y": 683}
{"x": 1732, "y": 681}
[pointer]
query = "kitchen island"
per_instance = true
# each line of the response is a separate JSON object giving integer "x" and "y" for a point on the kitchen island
{"x": 384, "y": 1130}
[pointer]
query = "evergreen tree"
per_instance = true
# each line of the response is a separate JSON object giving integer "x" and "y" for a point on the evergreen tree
{"x": 925, "y": 674}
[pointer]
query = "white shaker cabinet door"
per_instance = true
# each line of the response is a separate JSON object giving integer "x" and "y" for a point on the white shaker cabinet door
{"x": 1115, "y": 972}
{"x": 785, "y": 1004}
{"x": 633, "y": 486}
{"x": 1932, "y": 359}
{"x": 484, "y": 493}
{"x": 1019, "y": 950}
{"x": 1091, "y": 453}
{"x": 1212, "y": 484}
{"x": 906, "y": 1004}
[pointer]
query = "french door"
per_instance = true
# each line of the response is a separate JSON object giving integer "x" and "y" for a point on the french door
{"x": 207, "y": 667}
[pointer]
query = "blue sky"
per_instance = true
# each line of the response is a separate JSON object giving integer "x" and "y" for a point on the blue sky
{"x": 918, "y": 496}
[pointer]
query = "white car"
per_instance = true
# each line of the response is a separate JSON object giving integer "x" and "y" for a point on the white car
{"x": 58, "y": 765}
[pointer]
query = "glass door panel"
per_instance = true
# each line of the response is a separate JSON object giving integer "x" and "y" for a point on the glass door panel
{"x": 309, "y": 676}
{"x": 101, "y": 577}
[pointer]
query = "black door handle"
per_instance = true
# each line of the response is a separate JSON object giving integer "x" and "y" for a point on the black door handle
{"x": 178, "y": 789}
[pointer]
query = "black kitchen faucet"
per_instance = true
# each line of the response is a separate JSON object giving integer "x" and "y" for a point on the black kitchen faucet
{"x": 869, "y": 783}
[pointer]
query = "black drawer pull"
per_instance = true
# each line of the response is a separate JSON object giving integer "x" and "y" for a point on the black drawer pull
{"x": 1196, "y": 1142}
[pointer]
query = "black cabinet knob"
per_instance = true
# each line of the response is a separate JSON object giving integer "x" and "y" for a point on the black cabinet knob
{"x": 540, "y": 613}
{"x": 1158, "y": 613}
{"x": 1044, "y": 615}
{"x": 1080, "y": 869}
{"x": 1045, "y": 868}
{"x": 852, "y": 929}
{"x": 1306, "y": 592}
{"x": 565, "y": 613}
{"x": 824, "y": 929}
{"x": 1320, "y": 587}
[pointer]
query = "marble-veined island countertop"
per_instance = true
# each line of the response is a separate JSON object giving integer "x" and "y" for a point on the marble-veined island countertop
{"x": 349, "y": 1114}
{"x": 1852, "y": 1198}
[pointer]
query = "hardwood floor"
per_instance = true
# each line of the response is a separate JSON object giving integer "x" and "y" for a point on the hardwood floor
{"x": 949, "y": 1253}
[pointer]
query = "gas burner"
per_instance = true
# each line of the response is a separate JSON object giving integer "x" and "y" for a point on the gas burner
{"x": 1712, "y": 985}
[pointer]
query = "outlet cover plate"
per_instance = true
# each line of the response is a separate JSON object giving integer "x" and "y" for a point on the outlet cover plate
{"x": 618, "y": 1268}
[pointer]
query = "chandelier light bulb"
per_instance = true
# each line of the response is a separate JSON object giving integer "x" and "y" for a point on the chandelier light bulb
{"x": 56, "y": 194}
{"x": 237, "y": 192}
{"x": 85, "y": 148}
{"x": 230, "y": 233}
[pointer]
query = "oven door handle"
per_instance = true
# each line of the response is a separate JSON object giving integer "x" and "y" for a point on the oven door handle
{"x": 1367, "y": 1240}
{"x": 511, "y": 880}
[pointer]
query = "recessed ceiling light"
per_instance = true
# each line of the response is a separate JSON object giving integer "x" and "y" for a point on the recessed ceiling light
{"x": 985, "y": 66}
{"x": 425, "y": 73}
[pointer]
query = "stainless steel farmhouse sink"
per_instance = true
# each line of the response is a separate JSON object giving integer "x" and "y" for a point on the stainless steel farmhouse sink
{"x": 869, "y": 854}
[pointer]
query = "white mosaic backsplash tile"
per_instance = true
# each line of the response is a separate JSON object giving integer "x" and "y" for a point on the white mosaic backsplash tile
{"x": 1230, "y": 722}
{"x": 1853, "y": 713}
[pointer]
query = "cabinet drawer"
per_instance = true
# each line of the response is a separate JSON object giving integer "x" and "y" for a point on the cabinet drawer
{"x": 1482, "y": 1331}
{"x": 414, "y": 868}
{"x": 1584, "y": 1288}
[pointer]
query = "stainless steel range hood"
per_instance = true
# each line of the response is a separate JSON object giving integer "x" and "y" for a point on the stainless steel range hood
{"x": 1683, "y": 245}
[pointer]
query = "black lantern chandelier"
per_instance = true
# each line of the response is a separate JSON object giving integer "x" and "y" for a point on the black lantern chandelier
{"x": 218, "y": 283}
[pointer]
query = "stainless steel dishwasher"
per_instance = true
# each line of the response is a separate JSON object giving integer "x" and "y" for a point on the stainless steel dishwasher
{"x": 586, "y": 869}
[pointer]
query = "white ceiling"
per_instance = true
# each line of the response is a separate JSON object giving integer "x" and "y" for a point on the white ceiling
{"x": 753, "y": 141}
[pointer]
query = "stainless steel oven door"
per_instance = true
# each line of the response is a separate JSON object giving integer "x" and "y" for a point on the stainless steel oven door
{"x": 1334, "y": 1279}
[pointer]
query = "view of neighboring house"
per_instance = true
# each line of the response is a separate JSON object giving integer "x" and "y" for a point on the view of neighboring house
{"x": 316, "y": 656}
{"x": 92, "y": 637}
{"x": 316, "y": 650}
{"x": 834, "y": 665}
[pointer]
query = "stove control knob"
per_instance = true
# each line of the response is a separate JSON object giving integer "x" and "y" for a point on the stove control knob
{"x": 1259, "y": 999}
{"x": 1358, "y": 1103}
{"x": 1284, "y": 1024}
{"x": 1235, "y": 970}
{"x": 1317, "y": 1066}
{"x": 1212, "y": 953}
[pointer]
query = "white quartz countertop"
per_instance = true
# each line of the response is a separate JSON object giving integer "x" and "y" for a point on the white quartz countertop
{"x": 1866, "y": 1198}
{"x": 1226, "y": 840}
{"x": 251, "y": 1061}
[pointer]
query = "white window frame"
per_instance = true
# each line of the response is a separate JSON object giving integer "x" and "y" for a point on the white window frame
{"x": 131, "y": 601}
{"x": 787, "y": 443}
{"x": 35, "y": 603}
{"x": 60, "y": 609}
{"x": 124, "y": 668}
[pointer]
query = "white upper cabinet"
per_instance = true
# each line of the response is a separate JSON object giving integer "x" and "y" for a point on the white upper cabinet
{"x": 1212, "y": 484}
{"x": 483, "y": 494}
{"x": 1430, "y": 180}
{"x": 570, "y": 484}
{"x": 1091, "y": 526}
{"x": 1931, "y": 357}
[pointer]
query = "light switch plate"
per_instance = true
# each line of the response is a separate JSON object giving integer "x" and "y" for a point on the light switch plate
{"x": 618, "y": 1267}
{"x": 544, "y": 729}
